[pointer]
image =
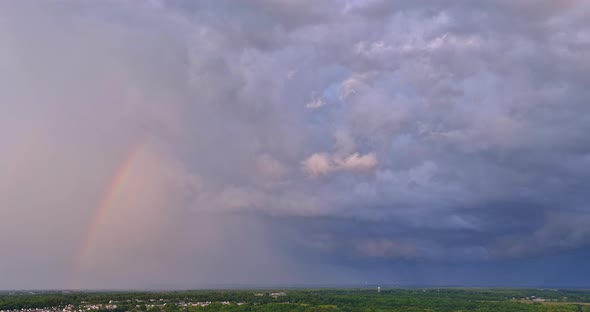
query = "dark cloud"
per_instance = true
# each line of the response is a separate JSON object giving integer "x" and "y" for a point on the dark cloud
{"x": 344, "y": 137}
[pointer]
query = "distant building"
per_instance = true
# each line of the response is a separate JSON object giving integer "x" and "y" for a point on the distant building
{"x": 277, "y": 294}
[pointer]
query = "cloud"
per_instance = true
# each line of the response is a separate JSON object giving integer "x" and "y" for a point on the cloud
{"x": 271, "y": 168}
{"x": 356, "y": 162}
{"x": 318, "y": 164}
{"x": 321, "y": 163}
{"x": 315, "y": 103}
{"x": 458, "y": 126}
{"x": 386, "y": 248}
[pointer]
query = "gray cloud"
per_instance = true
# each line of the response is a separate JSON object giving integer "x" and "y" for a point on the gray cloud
{"x": 442, "y": 132}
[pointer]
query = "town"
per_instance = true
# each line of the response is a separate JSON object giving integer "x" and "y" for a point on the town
{"x": 376, "y": 298}
{"x": 149, "y": 305}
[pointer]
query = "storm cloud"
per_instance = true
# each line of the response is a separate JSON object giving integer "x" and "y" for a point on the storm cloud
{"x": 191, "y": 143}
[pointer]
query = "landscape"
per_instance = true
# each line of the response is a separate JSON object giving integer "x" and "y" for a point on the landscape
{"x": 294, "y": 155}
{"x": 303, "y": 300}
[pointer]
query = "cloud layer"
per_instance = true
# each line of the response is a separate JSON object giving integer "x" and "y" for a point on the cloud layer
{"x": 331, "y": 141}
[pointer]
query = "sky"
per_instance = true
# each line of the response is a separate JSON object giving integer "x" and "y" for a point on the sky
{"x": 190, "y": 144}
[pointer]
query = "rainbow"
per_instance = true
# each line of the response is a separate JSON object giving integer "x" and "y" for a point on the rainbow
{"x": 113, "y": 188}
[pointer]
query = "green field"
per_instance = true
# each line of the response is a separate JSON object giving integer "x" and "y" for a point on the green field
{"x": 304, "y": 300}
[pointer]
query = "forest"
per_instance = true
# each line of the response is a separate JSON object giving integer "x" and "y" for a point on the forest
{"x": 303, "y": 300}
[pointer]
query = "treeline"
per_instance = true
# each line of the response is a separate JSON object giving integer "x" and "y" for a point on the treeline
{"x": 312, "y": 300}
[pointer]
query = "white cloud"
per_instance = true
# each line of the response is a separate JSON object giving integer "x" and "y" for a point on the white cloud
{"x": 315, "y": 103}
{"x": 319, "y": 164}
{"x": 357, "y": 162}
